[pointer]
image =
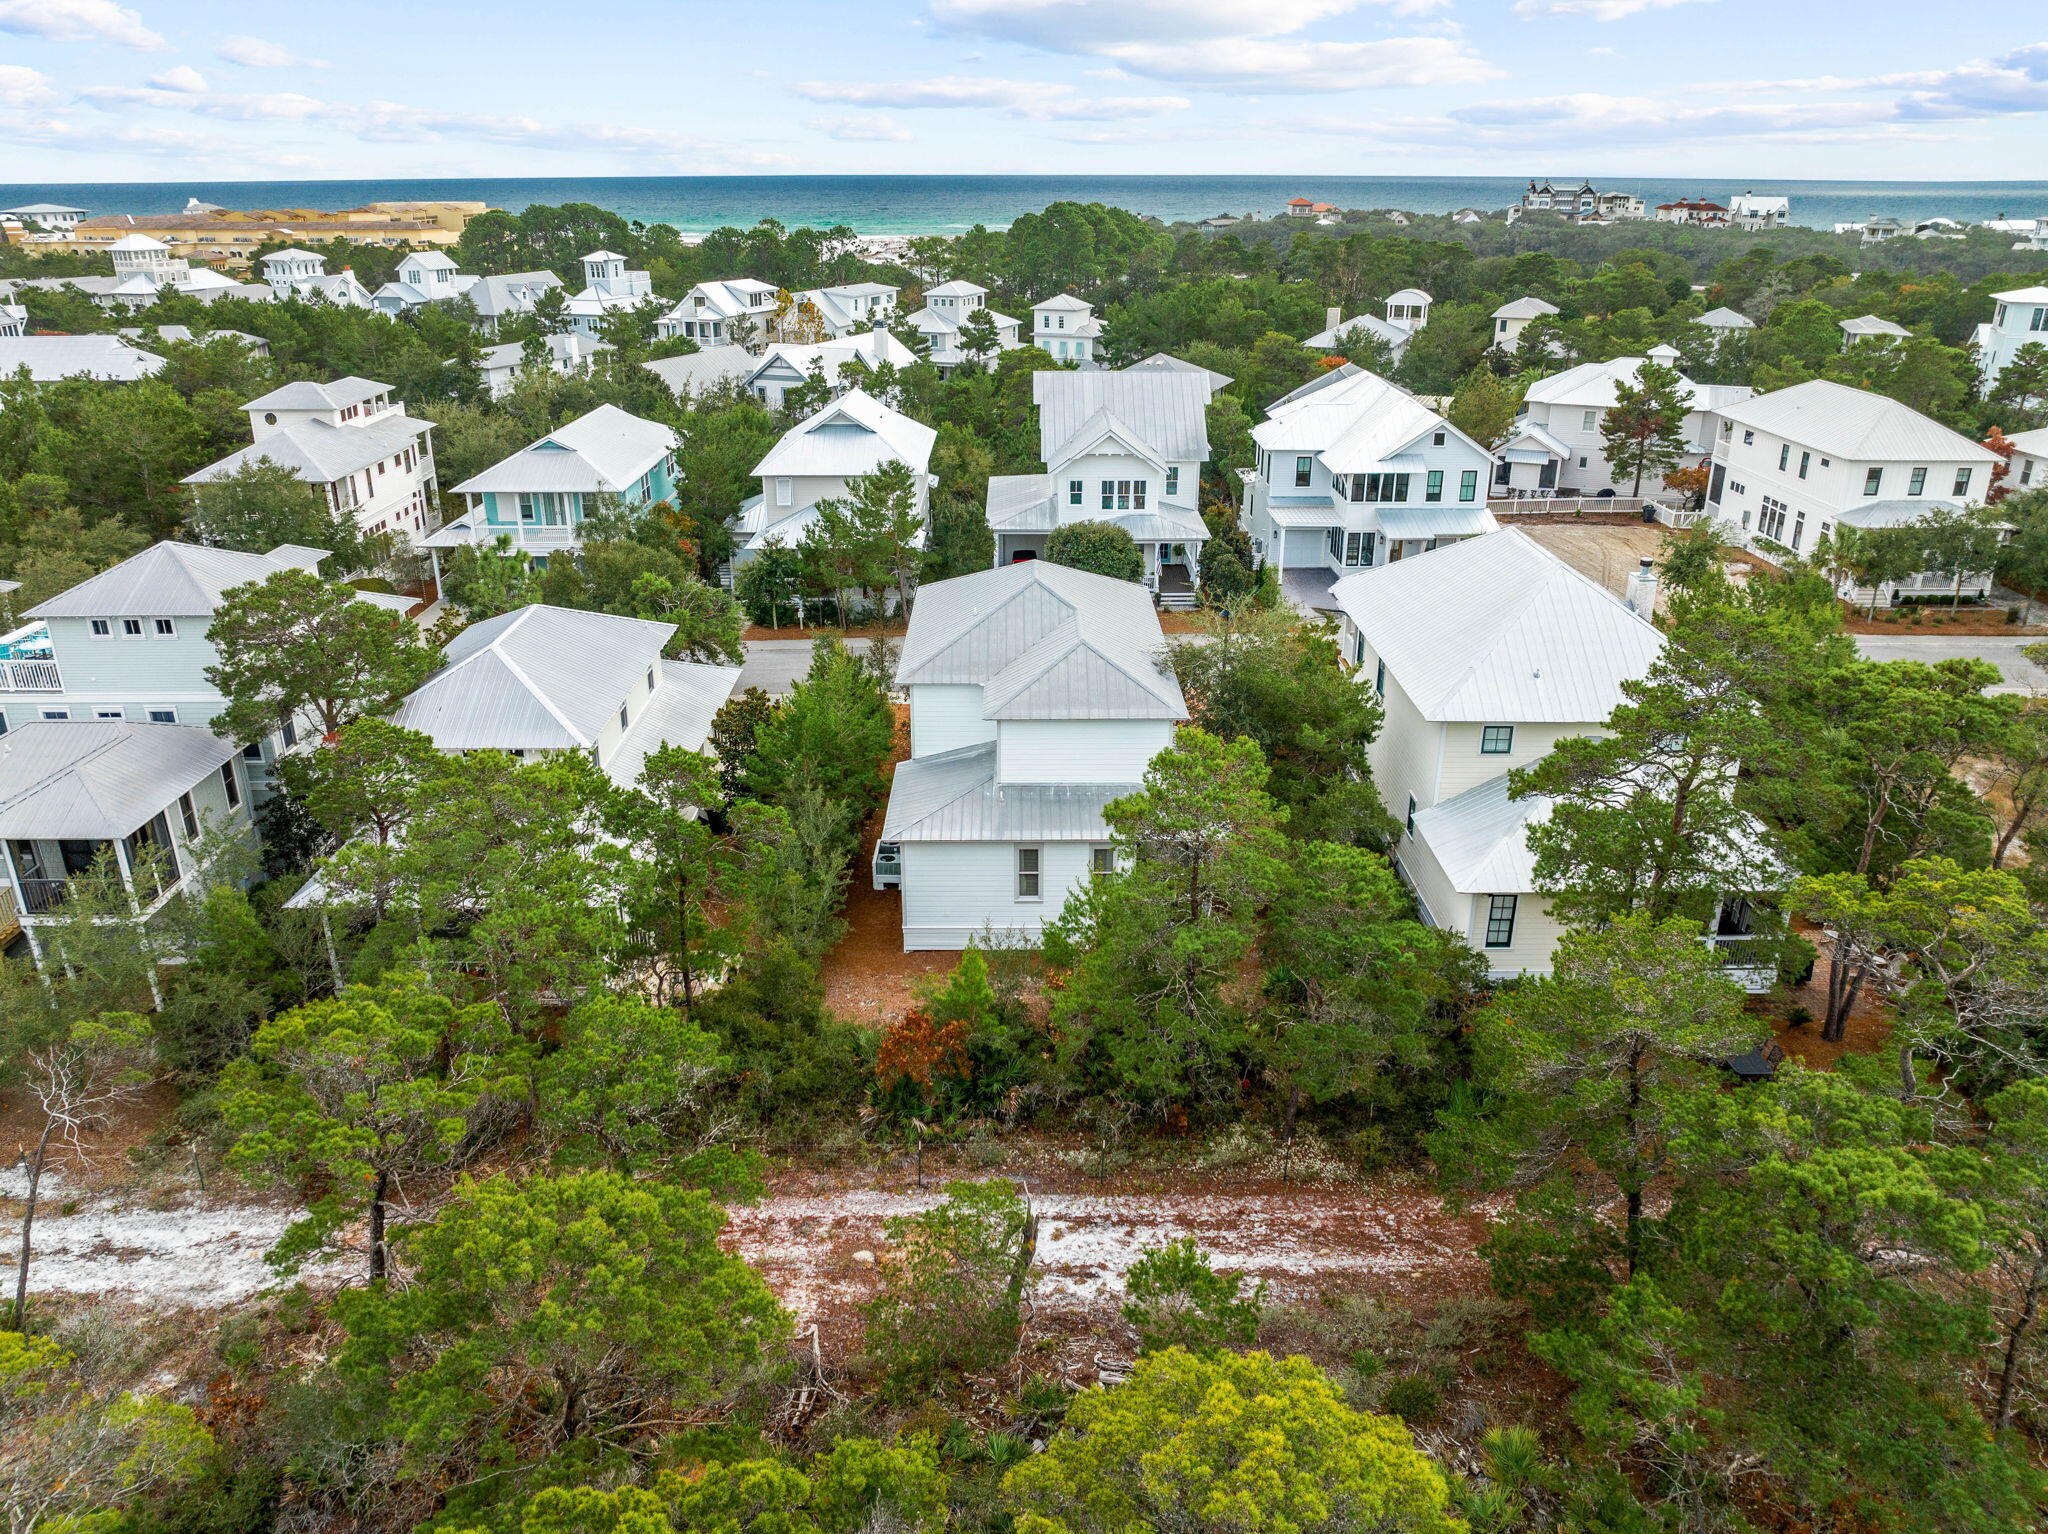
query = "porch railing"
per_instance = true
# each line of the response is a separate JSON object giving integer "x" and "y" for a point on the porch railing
{"x": 39, "y": 897}
{"x": 30, "y": 676}
{"x": 1567, "y": 505}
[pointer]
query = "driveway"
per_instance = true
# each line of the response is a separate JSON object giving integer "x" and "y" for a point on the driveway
{"x": 777, "y": 665}
{"x": 2021, "y": 675}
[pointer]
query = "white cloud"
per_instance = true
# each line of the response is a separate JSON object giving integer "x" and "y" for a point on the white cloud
{"x": 255, "y": 53}
{"x": 1079, "y": 26}
{"x": 1244, "y": 65}
{"x": 866, "y": 127}
{"x": 21, "y": 86}
{"x": 1036, "y": 100}
{"x": 181, "y": 77}
{"x": 1597, "y": 10}
{"x": 78, "y": 21}
{"x": 2014, "y": 83}
{"x": 394, "y": 122}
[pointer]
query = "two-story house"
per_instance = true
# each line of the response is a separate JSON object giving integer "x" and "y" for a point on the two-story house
{"x": 946, "y": 309}
{"x": 145, "y": 268}
{"x": 354, "y": 442}
{"x": 2019, "y": 317}
{"x": 736, "y": 311}
{"x": 507, "y": 295}
{"x": 1036, "y": 697}
{"x": 1065, "y": 327}
{"x": 1868, "y": 329}
{"x": 565, "y": 353}
{"x": 303, "y": 274}
{"x": 1354, "y": 471}
{"x": 1511, "y": 319}
{"x": 1125, "y": 448}
{"x": 819, "y": 458}
{"x": 841, "y": 364}
{"x": 826, "y": 314}
{"x": 1407, "y": 313}
{"x": 1484, "y": 657}
{"x": 153, "y": 798}
{"x": 132, "y": 643}
{"x": 424, "y": 277}
{"x": 1792, "y": 465}
{"x": 1569, "y": 408}
{"x": 542, "y": 679}
{"x": 607, "y": 286}
{"x": 540, "y": 496}
{"x": 2027, "y": 469}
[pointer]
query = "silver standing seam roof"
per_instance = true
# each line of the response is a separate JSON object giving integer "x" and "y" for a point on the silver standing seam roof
{"x": 49, "y": 358}
{"x": 320, "y": 453}
{"x": 1852, "y": 423}
{"x": 97, "y": 779}
{"x": 1043, "y": 641}
{"x": 953, "y": 796}
{"x": 176, "y": 580}
{"x": 537, "y": 679}
{"x": 604, "y": 450}
{"x": 1166, "y": 408}
{"x": 1498, "y": 630}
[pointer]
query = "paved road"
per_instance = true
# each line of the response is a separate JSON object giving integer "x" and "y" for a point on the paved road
{"x": 777, "y": 665}
{"x": 2021, "y": 675}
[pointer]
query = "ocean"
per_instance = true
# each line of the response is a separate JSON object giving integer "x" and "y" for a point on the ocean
{"x": 902, "y": 205}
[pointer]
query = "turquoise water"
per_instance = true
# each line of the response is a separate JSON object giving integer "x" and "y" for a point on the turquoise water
{"x": 948, "y": 204}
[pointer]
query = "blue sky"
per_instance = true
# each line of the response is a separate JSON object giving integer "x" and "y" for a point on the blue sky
{"x": 168, "y": 90}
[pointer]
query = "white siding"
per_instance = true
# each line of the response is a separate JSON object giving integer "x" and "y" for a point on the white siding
{"x": 946, "y": 716}
{"x": 1405, "y": 755}
{"x": 1536, "y": 933}
{"x": 1079, "y": 751}
{"x": 1466, "y": 766}
{"x": 955, "y": 893}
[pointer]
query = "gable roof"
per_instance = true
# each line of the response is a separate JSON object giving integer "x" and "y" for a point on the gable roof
{"x": 304, "y": 394}
{"x": 173, "y": 580}
{"x": 1725, "y": 318}
{"x": 853, "y": 435}
{"x": 1499, "y": 630}
{"x": 704, "y": 368}
{"x": 538, "y": 678}
{"x": 320, "y": 452}
{"x": 508, "y": 292}
{"x": 49, "y": 358}
{"x": 1852, "y": 423}
{"x": 871, "y": 348}
{"x": 1065, "y": 301}
{"x": 1871, "y": 325}
{"x": 98, "y": 779}
{"x": 1525, "y": 309}
{"x": 1480, "y": 838}
{"x": 1043, "y": 641}
{"x": 1593, "y": 385}
{"x": 1355, "y": 421}
{"x": 1165, "y": 408}
{"x": 606, "y": 450}
{"x": 1167, "y": 361}
{"x": 1345, "y": 331}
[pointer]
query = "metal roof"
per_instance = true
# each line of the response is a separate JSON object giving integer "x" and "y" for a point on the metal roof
{"x": 679, "y": 713}
{"x": 1499, "y": 630}
{"x": 953, "y": 796}
{"x": 536, "y": 679}
{"x": 1480, "y": 838}
{"x": 1065, "y": 301}
{"x": 173, "y": 580}
{"x": 1525, "y": 309}
{"x": 1170, "y": 363}
{"x": 97, "y": 779}
{"x": 704, "y": 368}
{"x": 1435, "y": 521}
{"x": 1355, "y": 423}
{"x": 319, "y": 452}
{"x": 957, "y": 288}
{"x": 1043, "y": 641}
{"x": 1850, "y": 423}
{"x": 868, "y": 348}
{"x": 49, "y": 358}
{"x": 2033, "y": 295}
{"x": 1871, "y": 325}
{"x": 508, "y": 292}
{"x": 307, "y": 395}
{"x": 1592, "y": 385}
{"x": 854, "y": 435}
{"x": 1021, "y": 503}
{"x": 1344, "y": 332}
{"x": 1897, "y": 511}
{"x": 1165, "y": 408}
{"x": 606, "y": 450}
{"x": 1725, "y": 318}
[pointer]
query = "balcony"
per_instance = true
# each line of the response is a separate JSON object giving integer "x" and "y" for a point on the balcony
{"x": 30, "y": 676}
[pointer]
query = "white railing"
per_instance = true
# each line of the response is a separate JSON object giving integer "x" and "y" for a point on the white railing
{"x": 30, "y": 676}
{"x": 1568, "y": 505}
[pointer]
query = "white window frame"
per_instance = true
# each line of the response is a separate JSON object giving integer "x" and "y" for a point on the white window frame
{"x": 1030, "y": 872}
{"x": 153, "y": 711}
{"x": 100, "y": 628}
